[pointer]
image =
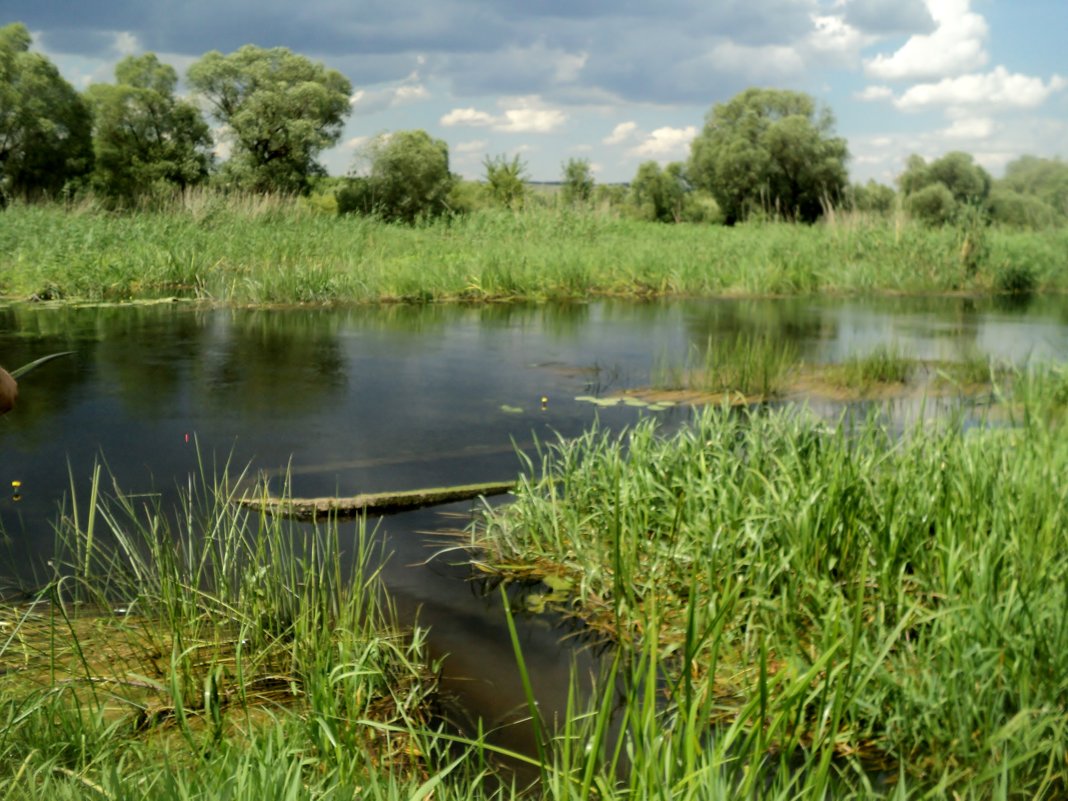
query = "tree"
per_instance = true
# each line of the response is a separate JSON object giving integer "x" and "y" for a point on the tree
{"x": 657, "y": 193}
{"x": 938, "y": 191}
{"x": 769, "y": 150}
{"x": 408, "y": 179}
{"x": 871, "y": 197}
{"x": 280, "y": 110}
{"x": 578, "y": 181}
{"x": 144, "y": 137}
{"x": 44, "y": 124}
{"x": 506, "y": 180}
{"x": 1045, "y": 179}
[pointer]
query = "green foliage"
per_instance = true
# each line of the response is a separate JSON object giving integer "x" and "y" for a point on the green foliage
{"x": 408, "y": 179}
{"x": 896, "y": 595}
{"x": 951, "y": 188}
{"x": 770, "y": 151}
{"x": 280, "y": 109}
{"x": 872, "y": 197}
{"x": 658, "y": 193}
{"x": 932, "y": 205}
{"x": 1045, "y": 180}
{"x": 506, "y": 180}
{"x": 1009, "y": 207}
{"x": 145, "y": 138}
{"x": 45, "y": 125}
{"x": 578, "y": 181}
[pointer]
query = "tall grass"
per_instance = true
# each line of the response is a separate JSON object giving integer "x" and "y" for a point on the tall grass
{"x": 752, "y": 367}
{"x": 275, "y": 250}
{"x": 847, "y": 606}
{"x": 216, "y": 653}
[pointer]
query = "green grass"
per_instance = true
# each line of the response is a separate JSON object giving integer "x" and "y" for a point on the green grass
{"x": 270, "y": 251}
{"x": 753, "y": 367}
{"x": 842, "y": 602}
{"x": 885, "y": 364}
{"x": 222, "y": 654}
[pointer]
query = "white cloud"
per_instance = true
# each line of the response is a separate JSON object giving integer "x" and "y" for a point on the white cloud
{"x": 834, "y": 35}
{"x": 956, "y": 45}
{"x": 526, "y": 115}
{"x": 665, "y": 142}
{"x": 356, "y": 142}
{"x": 870, "y": 93}
{"x": 969, "y": 128}
{"x": 366, "y": 102}
{"x": 474, "y": 146}
{"x": 996, "y": 89}
{"x": 621, "y": 133}
{"x": 530, "y": 120}
{"x": 467, "y": 116}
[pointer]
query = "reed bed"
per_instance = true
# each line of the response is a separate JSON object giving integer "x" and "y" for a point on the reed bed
{"x": 273, "y": 251}
{"x": 211, "y": 653}
{"x": 885, "y": 614}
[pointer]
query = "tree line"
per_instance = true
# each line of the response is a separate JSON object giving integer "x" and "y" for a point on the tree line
{"x": 766, "y": 153}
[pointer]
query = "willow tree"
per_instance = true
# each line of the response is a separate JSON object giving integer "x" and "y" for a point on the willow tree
{"x": 770, "y": 151}
{"x": 44, "y": 123}
{"x": 279, "y": 109}
{"x": 144, "y": 137}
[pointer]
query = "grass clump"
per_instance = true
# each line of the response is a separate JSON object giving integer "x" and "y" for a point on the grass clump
{"x": 746, "y": 366}
{"x": 215, "y": 653}
{"x": 858, "y": 604}
{"x": 885, "y": 364}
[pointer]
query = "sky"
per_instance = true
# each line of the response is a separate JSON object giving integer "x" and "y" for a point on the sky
{"x": 619, "y": 82}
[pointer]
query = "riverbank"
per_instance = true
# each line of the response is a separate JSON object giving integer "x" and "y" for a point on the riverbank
{"x": 270, "y": 251}
{"x": 854, "y": 604}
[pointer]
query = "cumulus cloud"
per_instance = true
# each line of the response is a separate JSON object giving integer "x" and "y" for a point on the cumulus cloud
{"x": 665, "y": 143}
{"x": 518, "y": 115}
{"x": 995, "y": 89}
{"x": 969, "y": 128}
{"x": 368, "y": 102}
{"x": 870, "y": 93}
{"x": 956, "y": 45}
{"x": 621, "y": 133}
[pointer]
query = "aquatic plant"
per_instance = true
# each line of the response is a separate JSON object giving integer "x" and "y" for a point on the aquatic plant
{"x": 890, "y": 606}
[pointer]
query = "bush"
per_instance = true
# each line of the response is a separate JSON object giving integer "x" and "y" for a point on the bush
{"x": 1009, "y": 207}
{"x": 933, "y": 205}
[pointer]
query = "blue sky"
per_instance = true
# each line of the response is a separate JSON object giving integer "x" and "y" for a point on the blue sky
{"x": 619, "y": 82}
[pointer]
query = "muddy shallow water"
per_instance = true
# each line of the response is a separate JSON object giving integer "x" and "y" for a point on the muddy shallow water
{"x": 374, "y": 399}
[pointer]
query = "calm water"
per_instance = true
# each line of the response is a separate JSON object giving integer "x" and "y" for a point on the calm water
{"x": 368, "y": 399}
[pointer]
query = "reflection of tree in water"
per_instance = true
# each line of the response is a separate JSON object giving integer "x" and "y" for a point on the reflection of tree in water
{"x": 150, "y": 355}
{"x": 28, "y": 333}
{"x": 276, "y": 361}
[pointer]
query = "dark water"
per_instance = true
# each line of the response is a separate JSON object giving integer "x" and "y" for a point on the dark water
{"x": 369, "y": 399}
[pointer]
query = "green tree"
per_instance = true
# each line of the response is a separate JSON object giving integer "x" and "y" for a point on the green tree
{"x": 771, "y": 151}
{"x": 1044, "y": 179}
{"x": 45, "y": 138}
{"x": 871, "y": 197}
{"x": 968, "y": 182}
{"x": 578, "y": 181}
{"x": 143, "y": 136}
{"x": 280, "y": 110}
{"x": 933, "y": 204}
{"x": 657, "y": 193}
{"x": 408, "y": 179}
{"x": 506, "y": 180}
